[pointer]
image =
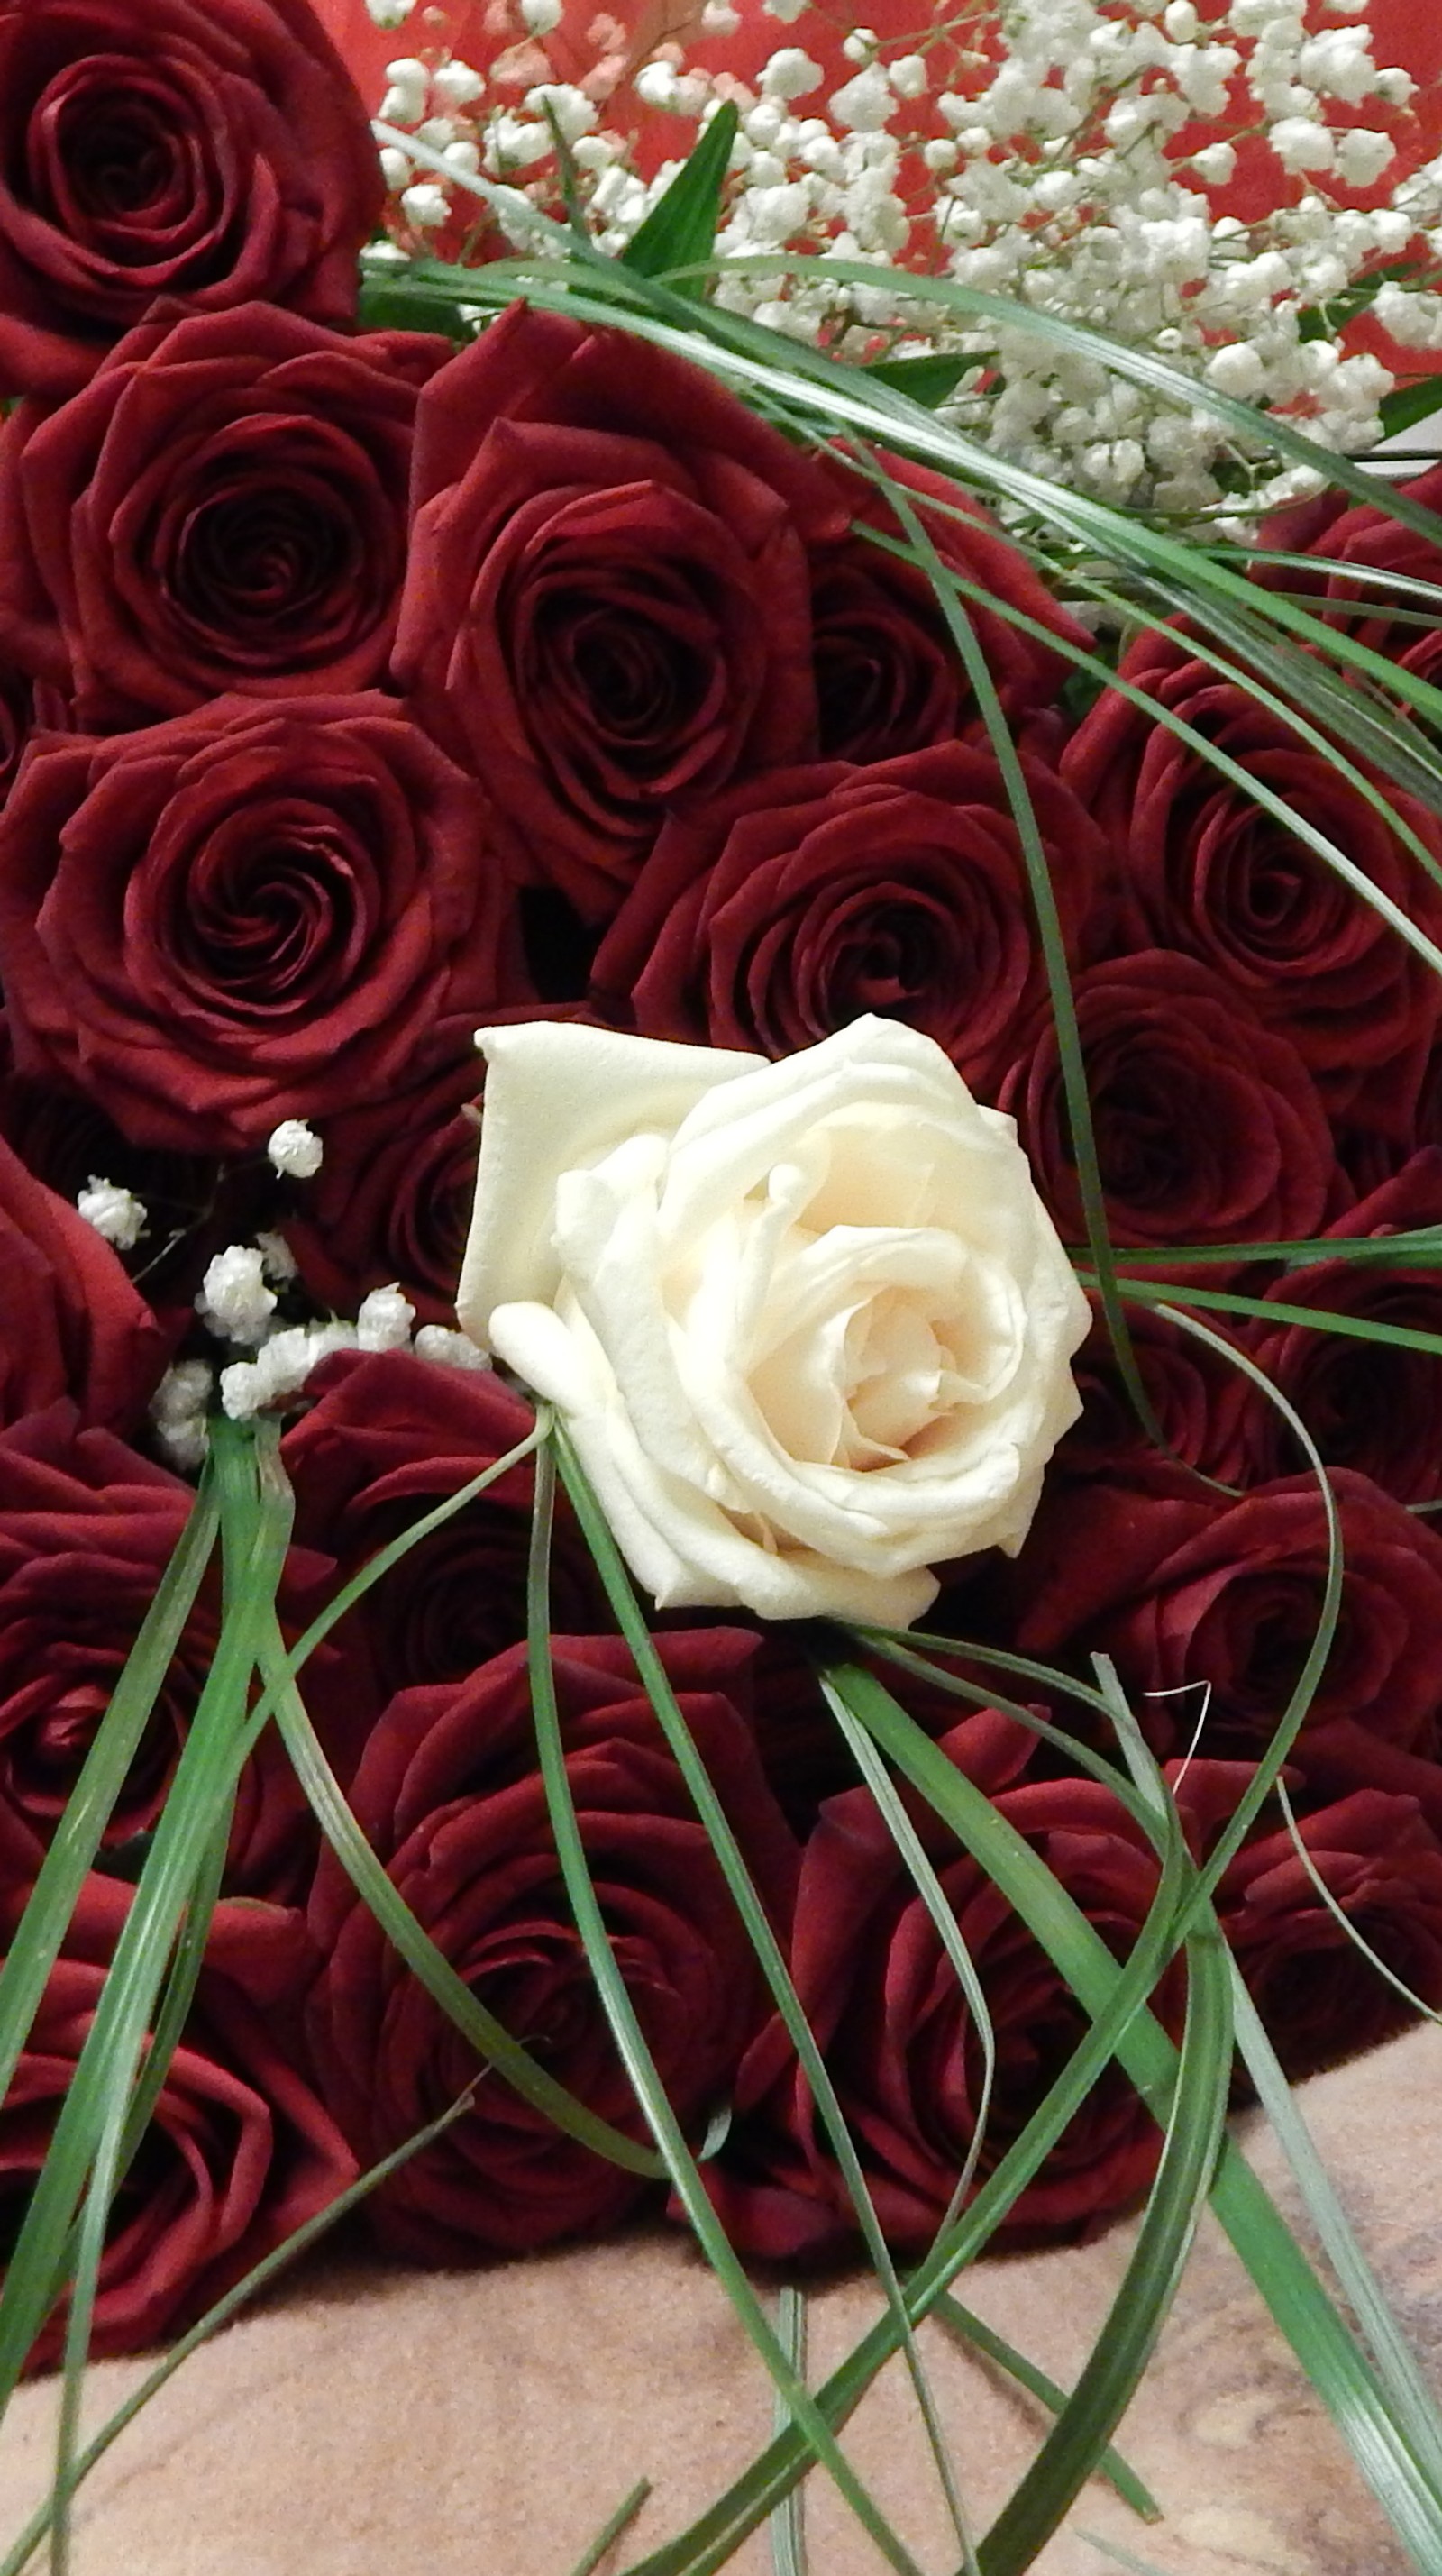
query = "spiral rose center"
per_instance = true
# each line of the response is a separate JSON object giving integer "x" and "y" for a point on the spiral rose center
{"x": 118, "y": 157}
{"x": 279, "y": 918}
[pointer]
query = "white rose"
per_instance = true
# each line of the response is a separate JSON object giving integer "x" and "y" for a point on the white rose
{"x": 807, "y": 1323}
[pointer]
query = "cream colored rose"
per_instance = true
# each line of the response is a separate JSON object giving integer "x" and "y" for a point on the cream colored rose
{"x": 807, "y": 1323}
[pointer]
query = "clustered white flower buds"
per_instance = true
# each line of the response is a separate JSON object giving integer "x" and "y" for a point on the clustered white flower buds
{"x": 115, "y": 1213}
{"x": 295, "y": 1149}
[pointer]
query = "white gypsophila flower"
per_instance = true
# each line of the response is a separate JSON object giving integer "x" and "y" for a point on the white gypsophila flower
{"x": 447, "y": 1349}
{"x": 457, "y": 84}
{"x": 1363, "y": 155}
{"x": 541, "y": 17}
{"x": 1051, "y": 164}
{"x": 115, "y": 1213}
{"x": 408, "y": 83}
{"x": 295, "y": 1149}
{"x": 277, "y": 1259}
{"x": 389, "y": 13}
{"x": 280, "y": 1367}
{"x": 396, "y": 168}
{"x": 234, "y": 1299}
{"x": 426, "y": 205}
{"x": 807, "y": 1322}
{"x": 384, "y": 1320}
{"x": 178, "y": 1410}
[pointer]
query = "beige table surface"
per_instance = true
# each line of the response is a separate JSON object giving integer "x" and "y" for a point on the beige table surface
{"x": 377, "y": 2423}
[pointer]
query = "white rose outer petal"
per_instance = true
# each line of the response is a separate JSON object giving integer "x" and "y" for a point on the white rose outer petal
{"x": 690, "y": 1254}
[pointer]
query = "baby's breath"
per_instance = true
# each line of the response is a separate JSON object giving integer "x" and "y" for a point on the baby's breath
{"x": 1070, "y": 153}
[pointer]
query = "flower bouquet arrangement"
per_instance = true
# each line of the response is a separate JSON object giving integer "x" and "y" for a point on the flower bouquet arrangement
{"x": 720, "y": 1169}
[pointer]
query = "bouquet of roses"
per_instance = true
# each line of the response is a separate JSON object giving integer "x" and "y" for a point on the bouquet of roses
{"x": 800, "y": 1591}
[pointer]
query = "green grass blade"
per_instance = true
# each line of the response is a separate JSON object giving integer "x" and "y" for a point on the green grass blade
{"x": 710, "y": 2541}
{"x": 1415, "y": 2406}
{"x": 973, "y": 2331}
{"x": 1078, "y": 2441}
{"x": 933, "y": 1896}
{"x": 611, "y": 2530}
{"x": 490, "y": 2039}
{"x": 1052, "y": 943}
{"x": 639, "y": 2064}
{"x": 787, "y": 2526}
{"x": 99, "y": 2090}
{"x": 681, "y": 227}
{"x": 623, "y": 1602}
{"x": 40, "y": 1934}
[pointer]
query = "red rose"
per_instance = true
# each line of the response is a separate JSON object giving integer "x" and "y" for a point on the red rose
{"x": 1386, "y": 621}
{"x": 239, "y": 2153}
{"x": 1209, "y": 1604}
{"x": 1373, "y": 1405}
{"x": 87, "y": 1529}
{"x": 1380, "y": 1862}
{"x": 251, "y": 913}
{"x": 221, "y": 507}
{"x": 801, "y": 900}
{"x": 1203, "y": 869}
{"x": 386, "y": 1438}
{"x": 900, "y": 2046}
{"x": 889, "y": 678}
{"x": 161, "y": 148}
{"x": 449, "y": 1795}
{"x": 70, "y": 1321}
{"x": 607, "y": 601}
{"x": 1208, "y": 1127}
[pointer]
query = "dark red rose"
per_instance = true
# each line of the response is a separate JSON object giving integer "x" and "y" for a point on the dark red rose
{"x": 392, "y": 1200}
{"x": 607, "y": 601}
{"x": 1208, "y": 1126}
{"x": 1203, "y": 869}
{"x": 70, "y": 1321}
{"x": 239, "y": 2153}
{"x": 1204, "y": 1405}
{"x": 1319, "y": 1997}
{"x": 901, "y": 2048}
{"x": 221, "y": 507}
{"x": 163, "y": 148}
{"x": 889, "y": 678}
{"x": 386, "y": 1438}
{"x": 1373, "y": 1405}
{"x": 1206, "y": 1603}
{"x": 801, "y": 900}
{"x": 250, "y": 913}
{"x": 87, "y": 1528}
{"x": 450, "y": 1798}
{"x": 1405, "y": 630}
